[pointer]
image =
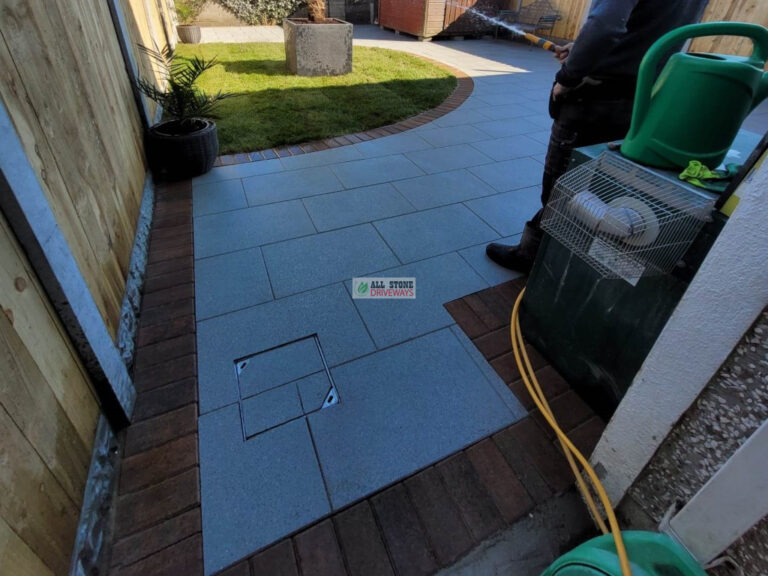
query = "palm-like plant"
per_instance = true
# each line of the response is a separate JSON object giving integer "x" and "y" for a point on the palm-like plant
{"x": 181, "y": 100}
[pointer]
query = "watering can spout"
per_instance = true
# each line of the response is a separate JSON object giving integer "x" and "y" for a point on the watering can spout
{"x": 695, "y": 108}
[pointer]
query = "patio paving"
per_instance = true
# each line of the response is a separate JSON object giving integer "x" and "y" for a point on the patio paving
{"x": 303, "y": 401}
{"x": 409, "y": 391}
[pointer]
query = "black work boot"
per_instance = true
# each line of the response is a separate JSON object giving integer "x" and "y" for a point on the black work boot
{"x": 520, "y": 257}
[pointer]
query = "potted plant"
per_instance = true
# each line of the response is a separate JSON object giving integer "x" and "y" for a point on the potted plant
{"x": 187, "y": 11}
{"x": 184, "y": 144}
{"x": 317, "y": 45}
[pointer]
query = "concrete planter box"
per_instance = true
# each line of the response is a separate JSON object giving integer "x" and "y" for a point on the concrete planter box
{"x": 318, "y": 49}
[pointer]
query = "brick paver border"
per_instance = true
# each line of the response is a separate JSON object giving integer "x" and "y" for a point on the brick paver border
{"x": 416, "y": 526}
{"x": 464, "y": 87}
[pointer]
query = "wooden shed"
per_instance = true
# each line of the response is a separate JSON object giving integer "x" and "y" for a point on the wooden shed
{"x": 429, "y": 18}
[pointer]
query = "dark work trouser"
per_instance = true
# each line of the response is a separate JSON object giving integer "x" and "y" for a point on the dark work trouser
{"x": 583, "y": 117}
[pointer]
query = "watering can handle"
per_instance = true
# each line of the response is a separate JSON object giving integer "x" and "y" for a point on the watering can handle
{"x": 650, "y": 63}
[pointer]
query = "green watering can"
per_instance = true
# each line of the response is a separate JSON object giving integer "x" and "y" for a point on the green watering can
{"x": 695, "y": 108}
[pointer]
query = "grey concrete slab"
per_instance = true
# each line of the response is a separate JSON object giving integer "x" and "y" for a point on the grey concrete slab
{"x": 438, "y": 280}
{"x": 371, "y": 171}
{"x": 320, "y": 259}
{"x": 238, "y": 171}
{"x": 327, "y": 312}
{"x": 356, "y": 206}
{"x": 257, "y": 491}
{"x": 290, "y": 185}
{"x": 509, "y": 127}
{"x": 218, "y": 197}
{"x": 321, "y": 158}
{"x": 510, "y": 147}
{"x": 511, "y": 174}
{"x": 450, "y": 136}
{"x": 485, "y": 267}
{"x": 273, "y": 368}
{"x": 448, "y": 158}
{"x": 230, "y": 282}
{"x": 313, "y": 390}
{"x": 229, "y": 231}
{"x": 270, "y": 409}
{"x": 431, "y": 232}
{"x": 403, "y": 408}
{"x": 443, "y": 188}
{"x": 395, "y": 144}
{"x": 507, "y": 213}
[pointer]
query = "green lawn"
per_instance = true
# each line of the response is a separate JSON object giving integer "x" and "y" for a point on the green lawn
{"x": 274, "y": 108}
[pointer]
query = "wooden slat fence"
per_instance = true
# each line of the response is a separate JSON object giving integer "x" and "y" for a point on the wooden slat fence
{"x": 65, "y": 86}
{"x": 48, "y": 416}
{"x": 755, "y": 11}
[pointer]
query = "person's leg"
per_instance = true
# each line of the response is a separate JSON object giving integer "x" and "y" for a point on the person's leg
{"x": 578, "y": 123}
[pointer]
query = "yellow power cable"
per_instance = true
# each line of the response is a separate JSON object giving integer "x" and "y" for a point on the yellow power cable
{"x": 534, "y": 389}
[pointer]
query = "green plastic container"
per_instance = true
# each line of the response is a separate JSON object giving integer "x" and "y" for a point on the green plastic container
{"x": 650, "y": 554}
{"x": 695, "y": 108}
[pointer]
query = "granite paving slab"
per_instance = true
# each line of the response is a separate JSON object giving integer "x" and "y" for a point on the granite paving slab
{"x": 271, "y": 409}
{"x": 256, "y": 491}
{"x": 518, "y": 146}
{"x": 438, "y": 280}
{"x": 443, "y": 188}
{"x": 230, "y": 282}
{"x": 507, "y": 213}
{"x": 356, "y": 206}
{"x": 450, "y": 135}
{"x": 290, "y": 185}
{"x": 431, "y": 232}
{"x": 235, "y": 171}
{"x": 395, "y": 144}
{"x": 403, "y": 408}
{"x": 218, "y": 197}
{"x": 313, "y": 390}
{"x": 306, "y": 263}
{"x": 487, "y": 268}
{"x": 327, "y": 312}
{"x": 448, "y": 158}
{"x": 229, "y": 231}
{"x": 371, "y": 171}
{"x": 511, "y": 174}
{"x": 272, "y": 368}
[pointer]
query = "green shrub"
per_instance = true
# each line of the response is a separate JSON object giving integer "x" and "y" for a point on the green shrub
{"x": 257, "y": 12}
{"x": 188, "y": 10}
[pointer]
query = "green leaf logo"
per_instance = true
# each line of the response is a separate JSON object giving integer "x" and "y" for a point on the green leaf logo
{"x": 362, "y": 288}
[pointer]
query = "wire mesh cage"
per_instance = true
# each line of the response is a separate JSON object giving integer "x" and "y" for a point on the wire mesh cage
{"x": 623, "y": 219}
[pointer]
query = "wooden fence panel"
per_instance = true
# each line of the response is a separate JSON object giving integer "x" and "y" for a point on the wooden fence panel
{"x": 145, "y": 27}
{"x": 755, "y": 11}
{"x": 48, "y": 417}
{"x": 64, "y": 84}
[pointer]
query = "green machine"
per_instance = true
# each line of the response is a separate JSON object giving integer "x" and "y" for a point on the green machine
{"x": 650, "y": 554}
{"x": 618, "y": 252}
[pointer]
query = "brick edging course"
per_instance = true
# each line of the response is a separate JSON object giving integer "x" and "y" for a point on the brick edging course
{"x": 464, "y": 87}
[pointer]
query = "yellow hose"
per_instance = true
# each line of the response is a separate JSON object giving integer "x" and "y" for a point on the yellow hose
{"x": 534, "y": 389}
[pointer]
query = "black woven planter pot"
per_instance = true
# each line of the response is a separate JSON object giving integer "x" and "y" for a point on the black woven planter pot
{"x": 174, "y": 155}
